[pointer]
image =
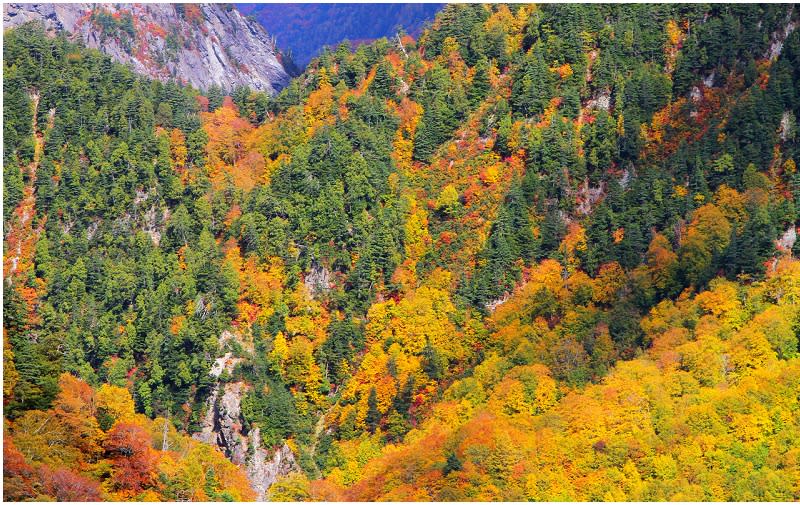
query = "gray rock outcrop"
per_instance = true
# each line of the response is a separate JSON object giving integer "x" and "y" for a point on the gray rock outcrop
{"x": 199, "y": 44}
{"x": 223, "y": 427}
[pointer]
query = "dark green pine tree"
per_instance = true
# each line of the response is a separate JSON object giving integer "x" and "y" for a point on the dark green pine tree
{"x": 215, "y": 97}
{"x": 13, "y": 187}
{"x": 532, "y": 88}
{"x": 382, "y": 249}
{"x": 750, "y": 250}
{"x": 383, "y": 85}
{"x": 498, "y": 275}
{"x": 598, "y": 238}
{"x": 553, "y": 230}
{"x": 631, "y": 249}
{"x": 571, "y": 102}
{"x": 435, "y": 127}
{"x": 17, "y": 117}
{"x": 453, "y": 463}
{"x": 343, "y": 341}
{"x": 45, "y": 186}
{"x": 405, "y": 397}
{"x": 503, "y": 135}
{"x": 698, "y": 185}
{"x": 432, "y": 362}
{"x": 525, "y": 245}
{"x": 181, "y": 228}
{"x": 480, "y": 83}
{"x": 373, "y": 414}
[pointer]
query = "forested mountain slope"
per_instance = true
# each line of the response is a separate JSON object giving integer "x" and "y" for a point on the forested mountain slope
{"x": 542, "y": 252}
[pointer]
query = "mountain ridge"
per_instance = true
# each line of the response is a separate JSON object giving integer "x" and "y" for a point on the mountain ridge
{"x": 306, "y": 28}
{"x": 197, "y": 44}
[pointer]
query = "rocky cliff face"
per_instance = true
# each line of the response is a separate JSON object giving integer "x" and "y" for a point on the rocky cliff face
{"x": 198, "y": 44}
{"x": 222, "y": 427}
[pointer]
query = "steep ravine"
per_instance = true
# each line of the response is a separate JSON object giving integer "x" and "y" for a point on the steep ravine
{"x": 22, "y": 232}
{"x": 223, "y": 427}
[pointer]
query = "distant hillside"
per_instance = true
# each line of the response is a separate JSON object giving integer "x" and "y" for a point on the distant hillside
{"x": 307, "y": 28}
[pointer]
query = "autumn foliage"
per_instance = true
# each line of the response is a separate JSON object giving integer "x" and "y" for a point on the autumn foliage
{"x": 65, "y": 456}
{"x": 538, "y": 253}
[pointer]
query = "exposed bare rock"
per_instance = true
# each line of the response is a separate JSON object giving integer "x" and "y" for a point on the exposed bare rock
{"x": 263, "y": 470}
{"x": 225, "y": 363}
{"x": 223, "y": 426}
{"x": 788, "y": 126}
{"x": 601, "y": 101}
{"x": 91, "y": 230}
{"x": 318, "y": 281}
{"x": 625, "y": 179}
{"x": 696, "y": 95}
{"x": 151, "y": 225}
{"x": 777, "y": 39}
{"x": 208, "y": 435}
{"x": 199, "y": 44}
{"x": 587, "y": 196}
{"x": 788, "y": 239}
{"x": 229, "y": 412}
{"x": 492, "y": 305}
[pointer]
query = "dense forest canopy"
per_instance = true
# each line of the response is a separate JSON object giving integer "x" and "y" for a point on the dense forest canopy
{"x": 539, "y": 253}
